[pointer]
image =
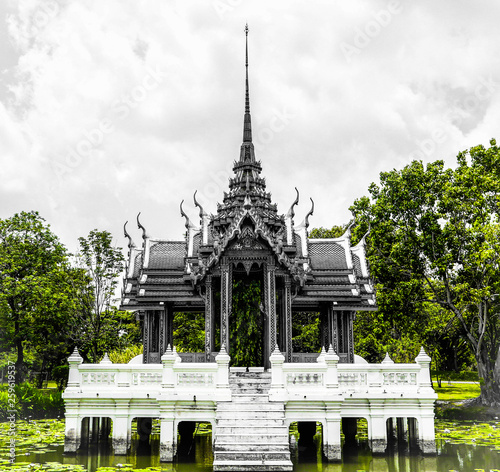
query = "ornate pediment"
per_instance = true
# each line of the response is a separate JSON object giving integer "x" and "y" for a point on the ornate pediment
{"x": 247, "y": 240}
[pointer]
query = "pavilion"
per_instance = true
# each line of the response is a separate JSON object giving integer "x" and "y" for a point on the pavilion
{"x": 250, "y": 407}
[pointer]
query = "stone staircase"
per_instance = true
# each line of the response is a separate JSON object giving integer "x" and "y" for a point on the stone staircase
{"x": 251, "y": 432}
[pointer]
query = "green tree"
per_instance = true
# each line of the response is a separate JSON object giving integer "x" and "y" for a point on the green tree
{"x": 97, "y": 321}
{"x": 334, "y": 232}
{"x": 246, "y": 325}
{"x": 306, "y": 332}
{"x": 34, "y": 293}
{"x": 436, "y": 231}
{"x": 189, "y": 332}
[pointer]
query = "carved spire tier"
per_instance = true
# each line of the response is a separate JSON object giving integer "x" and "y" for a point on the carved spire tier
{"x": 247, "y": 187}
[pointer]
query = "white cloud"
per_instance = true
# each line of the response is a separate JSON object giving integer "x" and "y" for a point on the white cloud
{"x": 94, "y": 136}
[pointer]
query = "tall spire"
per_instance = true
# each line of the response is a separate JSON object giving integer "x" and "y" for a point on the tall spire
{"x": 247, "y": 124}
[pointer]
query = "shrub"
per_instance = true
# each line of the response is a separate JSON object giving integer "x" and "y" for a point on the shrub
{"x": 32, "y": 402}
{"x": 123, "y": 356}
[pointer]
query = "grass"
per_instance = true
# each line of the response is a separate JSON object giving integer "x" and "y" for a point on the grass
{"x": 458, "y": 391}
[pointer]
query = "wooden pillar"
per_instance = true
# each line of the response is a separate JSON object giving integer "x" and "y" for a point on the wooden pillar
{"x": 145, "y": 339}
{"x": 333, "y": 331}
{"x": 169, "y": 317}
{"x": 226, "y": 299}
{"x": 163, "y": 330}
{"x": 209, "y": 321}
{"x": 324, "y": 334}
{"x": 287, "y": 313}
{"x": 351, "y": 315}
{"x": 270, "y": 297}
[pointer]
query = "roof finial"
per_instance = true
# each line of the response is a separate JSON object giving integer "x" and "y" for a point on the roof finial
{"x": 247, "y": 125}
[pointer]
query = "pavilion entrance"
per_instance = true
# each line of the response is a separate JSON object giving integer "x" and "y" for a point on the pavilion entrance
{"x": 248, "y": 321}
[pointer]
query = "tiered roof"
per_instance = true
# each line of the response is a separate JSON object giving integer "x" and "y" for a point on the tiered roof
{"x": 322, "y": 270}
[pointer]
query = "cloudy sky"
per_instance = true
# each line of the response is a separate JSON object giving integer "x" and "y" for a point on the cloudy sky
{"x": 111, "y": 107}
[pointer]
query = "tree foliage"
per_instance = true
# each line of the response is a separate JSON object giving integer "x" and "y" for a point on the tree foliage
{"x": 246, "y": 325}
{"x": 435, "y": 239}
{"x": 35, "y": 298}
{"x": 189, "y": 332}
{"x": 97, "y": 321}
{"x": 334, "y": 232}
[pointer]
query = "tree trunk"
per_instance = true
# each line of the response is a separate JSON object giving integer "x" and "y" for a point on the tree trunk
{"x": 490, "y": 385}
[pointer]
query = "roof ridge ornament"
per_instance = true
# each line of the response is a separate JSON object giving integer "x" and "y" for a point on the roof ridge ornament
{"x": 311, "y": 211}
{"x": 347, "y": 232}
{"x": 291, "y": 212}
{"x": 139, "y": 225}
{"x": 202, "y": 211}
{"x": 189, "y": 224}
{"x": 131, "y": 244}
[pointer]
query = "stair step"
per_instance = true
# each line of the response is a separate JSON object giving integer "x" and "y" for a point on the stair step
{"x": 261, "y": 406}
{"x": 251, "y": 455}
{"x": 252, "y": 398}
{"x": 245, "y": 422}
{"x": 243, "y": 430}
{"x": 251, "y": 447}
{"x": 249, "y": 378}
{"x": 255, "y": 466}
{"x": 258, "y": 438}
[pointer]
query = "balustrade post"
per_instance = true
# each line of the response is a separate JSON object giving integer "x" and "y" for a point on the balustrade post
{"x": 74, "y": 374}
{"x": 168, "y": 360}
{"x": 222, "y": 377}
{"x": 331, "y": 377}
{"x": 424, "y": 377}
{"x": 277, "y": 376}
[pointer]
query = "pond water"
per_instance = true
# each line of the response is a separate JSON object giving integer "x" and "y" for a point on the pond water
{"x": 449, "y": 457}
{"x": 39, "y": 447}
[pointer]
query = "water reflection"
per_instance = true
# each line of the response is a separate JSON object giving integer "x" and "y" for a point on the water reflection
{"x": 358, "y": 458}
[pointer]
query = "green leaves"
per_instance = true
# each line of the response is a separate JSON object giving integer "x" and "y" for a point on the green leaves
{"x": 246, "y": 325}
{"x": 435, "y": 241}
{"x": 33, "y": 286}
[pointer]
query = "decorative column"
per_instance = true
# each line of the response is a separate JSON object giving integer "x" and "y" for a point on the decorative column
{"x": 333, "y": 334}
{"x": 270, "y": 301}
{"x": 164, "y": 341}
{"x": 145, "y": 339}
{"x": 288, "y": 318}
{"x": 209, "y": 324}
{"x": 350, "y": 317}
{"x": 226, "y": 299}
